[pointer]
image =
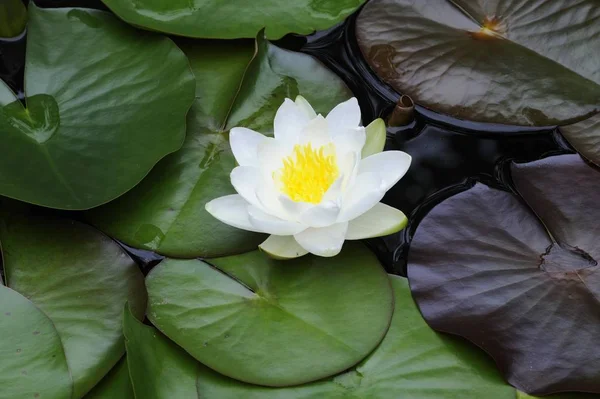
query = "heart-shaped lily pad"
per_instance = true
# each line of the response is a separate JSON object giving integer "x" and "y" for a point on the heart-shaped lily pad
{"x": 273, "y": 322}
{"x": 235, "y": 18}
{"x": 104, "y": 104}
{"x": 412, "y": 362}
{"x": 32, "y": 360}
{"x": 521, "y": 283}
{"x": 238, "y": 85}
{"x": 520, "y": 62}
{"x": 116, "y": 384}
{"x": 80, "y": 280}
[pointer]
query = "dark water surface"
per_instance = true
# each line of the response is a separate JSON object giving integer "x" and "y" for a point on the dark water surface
{"x": 448, "y": 154}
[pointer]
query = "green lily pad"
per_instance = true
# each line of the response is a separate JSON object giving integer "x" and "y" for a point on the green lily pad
{"x": 271, "y": 322}
{"x": 32, "y": 360}
{"x": 104, "y": 105}
{"x": 234, "y": 19}
{"x": 80, "y": 279}
{"x": 238, "y": 85}
{"x": 116, "y": 384}
{"x": 158, "y": 367}
{"x": 519, "y": 62}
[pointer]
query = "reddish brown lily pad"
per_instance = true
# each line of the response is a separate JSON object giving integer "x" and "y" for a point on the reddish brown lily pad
{"x": 519, "y": 278}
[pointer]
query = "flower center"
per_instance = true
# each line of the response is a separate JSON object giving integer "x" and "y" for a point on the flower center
{"x": 308, "y": 173}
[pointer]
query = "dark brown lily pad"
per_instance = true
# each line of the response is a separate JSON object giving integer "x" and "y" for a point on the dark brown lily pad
{"x": 519, "y": 278}
{"x": 519, "y": 62}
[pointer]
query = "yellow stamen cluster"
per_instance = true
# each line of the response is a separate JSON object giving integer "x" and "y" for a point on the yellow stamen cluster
{"x": 308, "y": 173}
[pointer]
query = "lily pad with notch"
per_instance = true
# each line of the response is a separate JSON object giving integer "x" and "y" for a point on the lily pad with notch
{"x": 104, "y": 104}
{"x": 79, "y": 279}
{"x": 518, "y": 279}
{"x": 412, "y": 362}
{"x": 516, "y": 62}
{"x": 274, "y": 323}
{"x": 239, "y": 84}
{"x": 233, "y": 19}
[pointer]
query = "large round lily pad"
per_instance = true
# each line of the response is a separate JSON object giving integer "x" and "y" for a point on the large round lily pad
{"x": 521, "y": 282}
{"x": 520, "y": 62}
{"x": 234, "y": 18}
{"x": 32, "y": 360}
{"x": 238, "y": 85}
{"x": 78, "y": 278}
{"x": 273, "y": 322}
{"x": 104, "y": 104}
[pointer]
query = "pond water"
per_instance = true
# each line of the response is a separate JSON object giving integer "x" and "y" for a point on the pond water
{"x": 448, "y": 154}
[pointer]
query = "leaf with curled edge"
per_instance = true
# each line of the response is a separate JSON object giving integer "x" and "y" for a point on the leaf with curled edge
{"x": 521, "y": 282}
{"x": 518, "y": 62}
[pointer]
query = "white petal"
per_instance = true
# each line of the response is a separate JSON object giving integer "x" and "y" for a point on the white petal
{"x": 325, "y": 241}
{"x": 245, "y": 180}
{"x": 381, "y": 220}
{"x": 376, "y": 135}
{"x": 390, "y": 165}
{"x": 271, "y": 153}
{"x": 344, "y": 116}
{"x": 305, "y": 107}
{"x": 321, "y": 215}
{"x": 232, "y": 210}
{"x": 349, "y": 140}
{"x": 272, "y": 224}
{"x": 289, "y": 121}
{"x": 364, "y": 194}
{"x": 282, "y": 247}
{"x": 244, "y": 145}
{"x": 292, "y": 208}
{"x": 316, "y": 132}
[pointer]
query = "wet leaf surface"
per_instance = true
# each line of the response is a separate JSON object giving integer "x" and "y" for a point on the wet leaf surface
{"x": 270, "y": 322}
{"x": 235, "y": 18}
{"x": 518, "y": 62}
{"x": 236, "y": 87}
{"x": 94, "y": 124}
{"x": 482, "y": 265}
{"x": 80, "y": 280}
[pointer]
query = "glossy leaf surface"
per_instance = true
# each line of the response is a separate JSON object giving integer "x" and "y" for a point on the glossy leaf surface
{"x": 482, "y": 265}
{"x": 518, "y": 62}
{"x": 32, "y": 360}
{"x": 274, "y": 322}
{"x": 115, "y": 385}
{"x": 80, "y": 279}
{"x": 238, "y": 85}
{"x": 104, "y": 104}
{"x": 235, "y": 18}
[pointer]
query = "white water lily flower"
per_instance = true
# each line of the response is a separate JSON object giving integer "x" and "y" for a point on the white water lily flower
{"x": 308, "y": 186}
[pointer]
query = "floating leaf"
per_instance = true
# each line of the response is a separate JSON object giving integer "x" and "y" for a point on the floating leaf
{"x": 271, "y": 322}
{"x": 237, "y": 86}
{"x": 412, "y": 362}
{"x": 104, "y": 104}
{"x": 116, "y": 384}
{"x": 585, "y": 137}
{"x": 80, "y": 279}
{"x": 158, "y": 368}
{"x": 234, "y": 19}
{"x": 520, "y": 62}
{"x": 483, "y": 266}
{"x": 32, "y": 360}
